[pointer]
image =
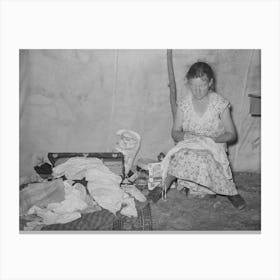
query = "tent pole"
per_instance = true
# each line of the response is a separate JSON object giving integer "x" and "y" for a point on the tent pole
{"x": 172, "y": 84}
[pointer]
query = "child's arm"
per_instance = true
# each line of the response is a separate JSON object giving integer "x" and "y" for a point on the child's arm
{"x": 230, "y": 134}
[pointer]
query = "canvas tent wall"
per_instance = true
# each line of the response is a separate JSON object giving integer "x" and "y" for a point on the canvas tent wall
{"x": 75, "y": 100}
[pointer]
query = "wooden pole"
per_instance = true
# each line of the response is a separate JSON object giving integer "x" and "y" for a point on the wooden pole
{"x": 172, "y": 84}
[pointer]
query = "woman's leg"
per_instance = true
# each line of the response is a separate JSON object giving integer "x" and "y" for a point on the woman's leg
{"x": 168, "y": 182}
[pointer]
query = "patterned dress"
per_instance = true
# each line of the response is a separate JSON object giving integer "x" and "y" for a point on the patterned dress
{"x": 197, "y": 169}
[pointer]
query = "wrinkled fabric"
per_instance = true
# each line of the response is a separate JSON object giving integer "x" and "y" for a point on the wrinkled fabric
{"x": 133, "y": 191}
{"x": 34, "y": 178}
{"x": 107, "y": 196}
{"x": 128, "y": 144}
{"x": 75, "y": 202}
{"x": 103, "y": 175}
{"x": 41, "y": 194}
{"x": 200, "y": 143}
{"x": 129, "y": 208}
{"x": 33, "y": 225}
{"x": 49, "y": 217}
{"x": 104, "y": 187}
{"x": 75, "y": 168}
{"x": 194, "y": 189}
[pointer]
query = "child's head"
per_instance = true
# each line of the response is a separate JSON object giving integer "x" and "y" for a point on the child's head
{"x": 200, "y": 79}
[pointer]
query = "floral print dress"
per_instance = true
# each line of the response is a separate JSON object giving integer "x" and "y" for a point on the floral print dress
{"x": 197, "y": 169}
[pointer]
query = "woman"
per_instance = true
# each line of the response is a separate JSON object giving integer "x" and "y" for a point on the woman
{"x": 202, "y": 128}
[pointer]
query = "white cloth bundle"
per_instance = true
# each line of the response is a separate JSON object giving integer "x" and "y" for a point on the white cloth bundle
{"x": 200, "y": 143}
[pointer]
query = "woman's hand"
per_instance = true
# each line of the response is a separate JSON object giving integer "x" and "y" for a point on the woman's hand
{"x": 188, "y": 134}
{"x": 181, "y": 135}
{"x": 177, "y": 135}
{"x": 226, "y": 137}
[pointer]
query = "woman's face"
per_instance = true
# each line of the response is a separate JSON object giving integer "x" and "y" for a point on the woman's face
{"x": 199, "y": 87}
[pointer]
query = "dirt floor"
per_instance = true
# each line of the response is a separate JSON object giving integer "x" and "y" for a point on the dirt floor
{"x": 183, "y": 213}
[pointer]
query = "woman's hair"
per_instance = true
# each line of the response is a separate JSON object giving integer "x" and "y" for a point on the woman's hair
{"x": 200, "y": 69}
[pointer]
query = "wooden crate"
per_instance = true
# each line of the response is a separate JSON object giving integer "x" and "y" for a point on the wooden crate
{"x": 255, "y": 104}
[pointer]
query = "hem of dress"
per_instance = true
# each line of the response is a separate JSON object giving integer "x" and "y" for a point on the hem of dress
{"x": 207, "y": 187}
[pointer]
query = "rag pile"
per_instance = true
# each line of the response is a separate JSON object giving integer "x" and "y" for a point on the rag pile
{"x": 64, "y": 201}
{"x": 69, "y": 209}
{"x": 103, "y": 185}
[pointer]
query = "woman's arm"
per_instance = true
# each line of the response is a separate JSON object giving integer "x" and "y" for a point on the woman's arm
{"x": 230, "y": 135}
{"x": 177, "y": 129}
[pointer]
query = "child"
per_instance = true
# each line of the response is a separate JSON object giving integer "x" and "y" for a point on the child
{"x": 202, "y": 128}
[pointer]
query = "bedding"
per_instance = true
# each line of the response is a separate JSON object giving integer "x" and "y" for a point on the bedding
{"x": 100, "y": 219}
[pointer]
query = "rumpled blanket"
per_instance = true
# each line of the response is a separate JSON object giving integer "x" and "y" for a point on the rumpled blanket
{"x": 103, "y": 185}
{"x": 75, "y": 168}
{"x": 41, "y": 194}
{"x": 75, "y": 201}
{"x": 63, "y": 201}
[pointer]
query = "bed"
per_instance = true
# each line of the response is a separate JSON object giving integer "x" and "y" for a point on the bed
{"x": 102, "y": 220}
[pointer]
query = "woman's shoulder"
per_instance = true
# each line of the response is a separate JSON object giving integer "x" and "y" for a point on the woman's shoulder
{"x": 219, "y": 101}
{"x": 218, "y": 97}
